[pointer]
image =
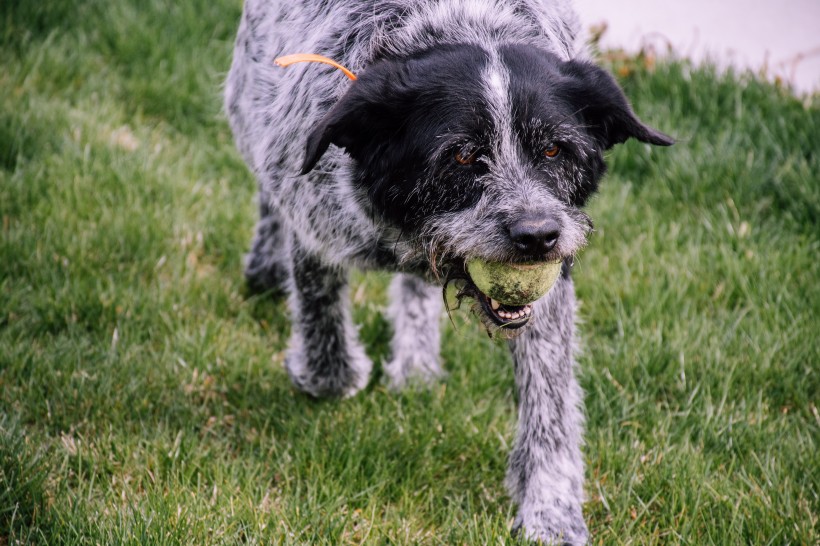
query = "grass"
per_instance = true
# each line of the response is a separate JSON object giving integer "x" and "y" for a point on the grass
{"x": 142, "y": 397}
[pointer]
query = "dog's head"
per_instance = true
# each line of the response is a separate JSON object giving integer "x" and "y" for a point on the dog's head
{"x": 483, "y": 154}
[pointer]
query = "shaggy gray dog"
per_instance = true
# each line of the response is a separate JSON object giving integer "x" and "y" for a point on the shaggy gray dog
{"x": 471, "y": 132}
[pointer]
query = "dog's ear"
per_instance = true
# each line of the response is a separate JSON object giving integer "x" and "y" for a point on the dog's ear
{"x": 356, "y": 119}
{"x": 604, "y": 107}
{"x": 338, "y": 126}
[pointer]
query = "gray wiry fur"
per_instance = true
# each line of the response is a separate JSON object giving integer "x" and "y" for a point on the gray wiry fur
{"x": 546, "y": 469}
{"x": 315, "y": 227}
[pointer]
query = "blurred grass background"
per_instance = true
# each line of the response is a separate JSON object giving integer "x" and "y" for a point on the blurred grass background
{"x": 142, "y": 397}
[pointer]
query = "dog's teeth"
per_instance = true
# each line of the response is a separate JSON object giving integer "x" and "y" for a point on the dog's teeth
{"x": 495, "y": 305}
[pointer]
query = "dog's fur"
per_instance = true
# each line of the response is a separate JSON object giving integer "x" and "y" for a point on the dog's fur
{"x": 492, "y": 81}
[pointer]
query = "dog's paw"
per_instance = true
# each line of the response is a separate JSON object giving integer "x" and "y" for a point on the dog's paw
{"x": 551, "y": 527}
{"x": 328, "y": 375}
{"x": 406, "y": 370}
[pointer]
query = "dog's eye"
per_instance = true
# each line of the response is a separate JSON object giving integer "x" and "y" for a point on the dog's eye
{"x": 552, "y": 151}
{"x": 467, "y": 155}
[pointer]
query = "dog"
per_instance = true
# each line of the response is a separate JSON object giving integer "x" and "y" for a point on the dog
{"x": 475, "y": 129}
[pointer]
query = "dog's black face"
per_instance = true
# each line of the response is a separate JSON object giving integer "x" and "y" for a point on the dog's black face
{"x": 478, "y": 154}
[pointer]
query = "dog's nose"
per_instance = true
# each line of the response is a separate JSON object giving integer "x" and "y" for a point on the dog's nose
{"x": 535, "y": 235}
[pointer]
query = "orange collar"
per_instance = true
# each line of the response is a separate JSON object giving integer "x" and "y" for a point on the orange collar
{"x": 288, "y": 60}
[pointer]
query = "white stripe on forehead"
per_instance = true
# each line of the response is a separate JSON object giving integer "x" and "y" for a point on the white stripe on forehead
{"x": 496, "y": 81}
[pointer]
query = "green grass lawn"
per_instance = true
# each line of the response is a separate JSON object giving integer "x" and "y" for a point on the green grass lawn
{"x": 142, "y": 394}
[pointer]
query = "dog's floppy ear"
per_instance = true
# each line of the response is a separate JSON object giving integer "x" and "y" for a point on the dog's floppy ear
{"x": 604, "y": 107}
{"x": 355, "y": 119}
{"x": 337, "y": 127}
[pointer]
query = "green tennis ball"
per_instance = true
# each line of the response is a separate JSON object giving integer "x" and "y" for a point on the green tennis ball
{"x": 514, "y": 284}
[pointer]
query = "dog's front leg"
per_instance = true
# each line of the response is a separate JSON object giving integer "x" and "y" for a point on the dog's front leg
{"x": 324, "y": 357}
{"x": 415, "y": 312}
{"x": 546, "y": 471}
{"x": 266, "y": 263}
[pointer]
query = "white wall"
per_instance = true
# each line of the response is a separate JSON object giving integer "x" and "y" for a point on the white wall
{"x": 748, "y": 34}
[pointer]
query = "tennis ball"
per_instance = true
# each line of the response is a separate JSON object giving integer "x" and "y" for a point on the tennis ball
{"x": 514, "y": 284}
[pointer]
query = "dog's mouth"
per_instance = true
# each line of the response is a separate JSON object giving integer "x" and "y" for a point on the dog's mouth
{"x": 510, "y": 317}
{"x": 494, "y": 314}
{"x": 504, "y": 293}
